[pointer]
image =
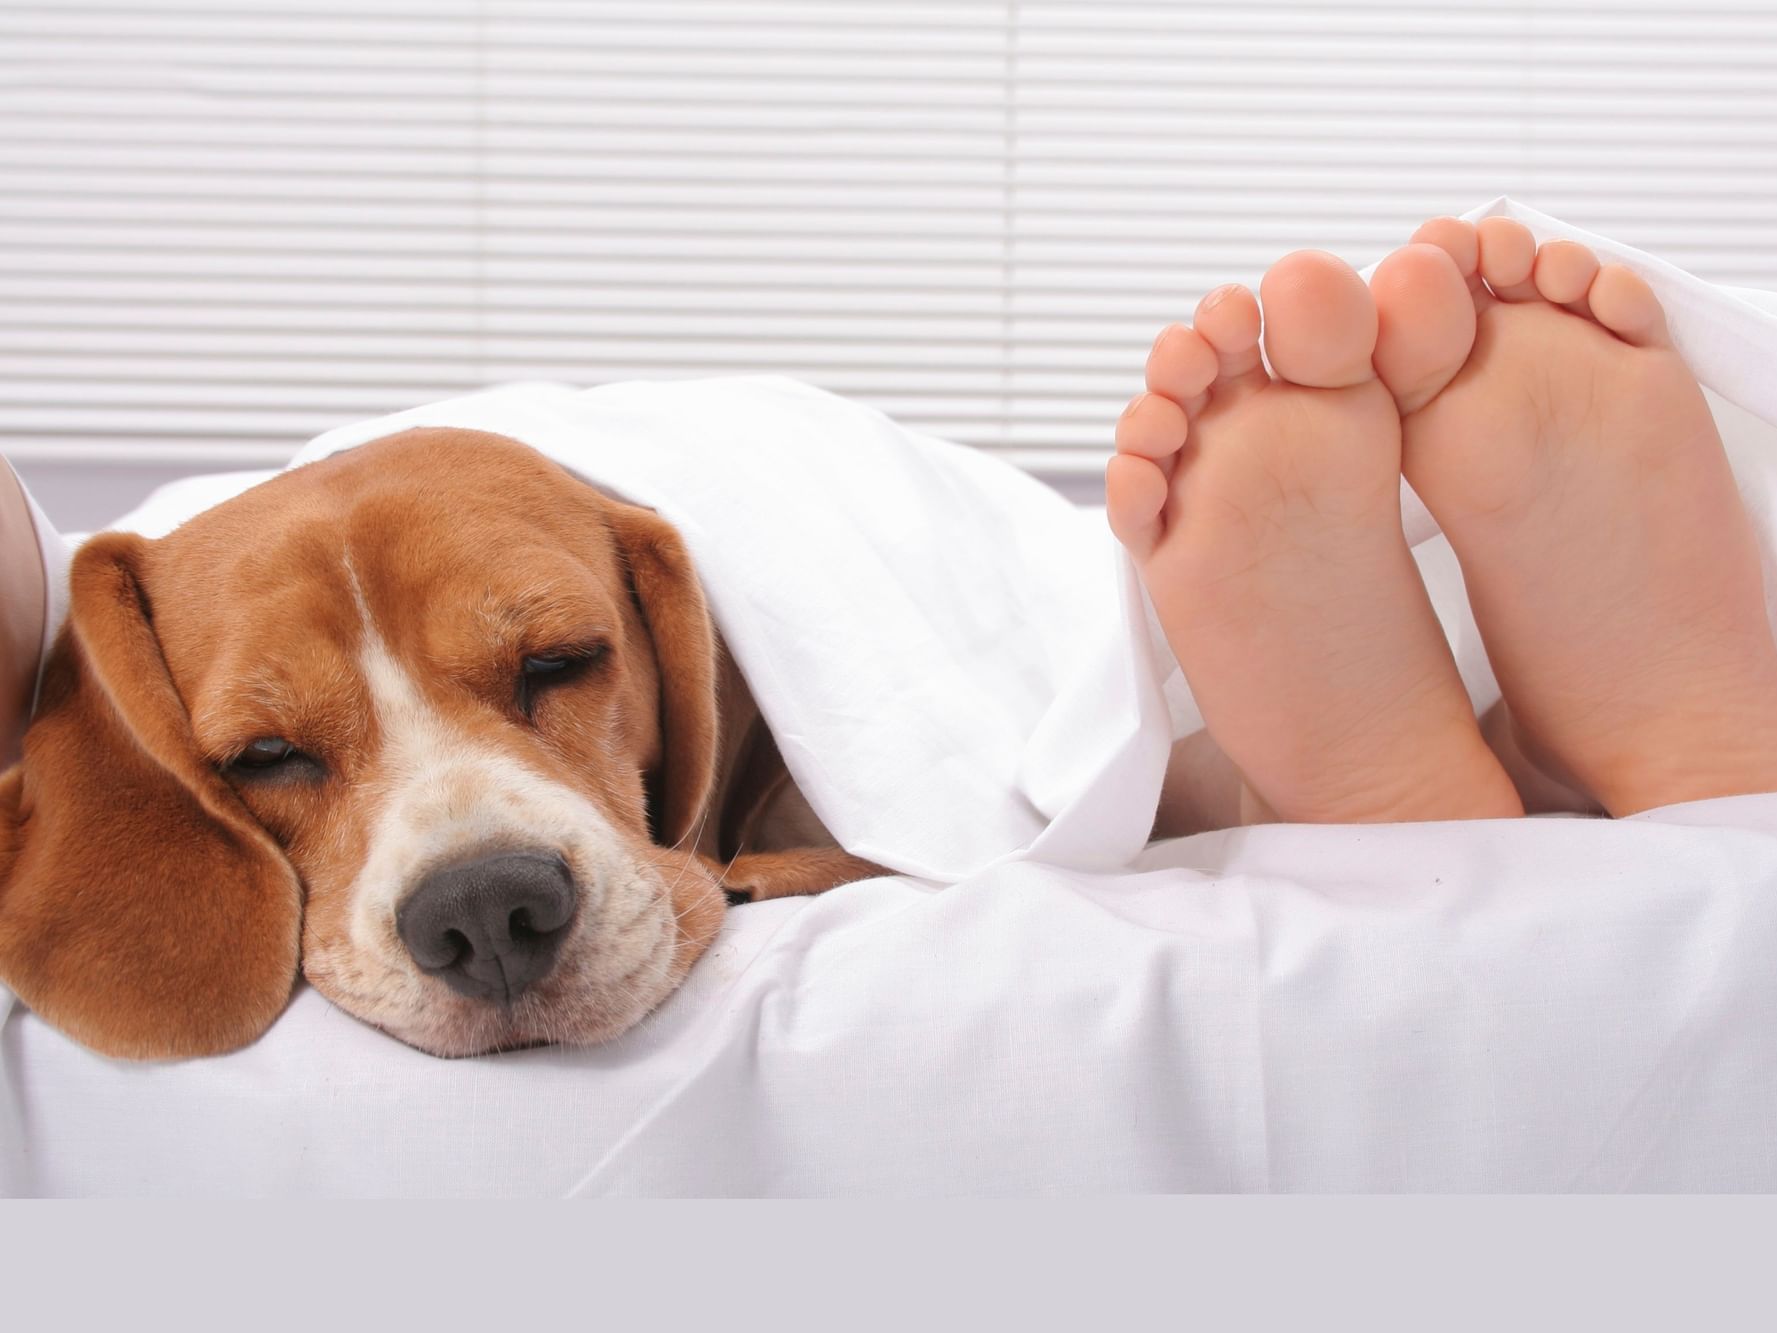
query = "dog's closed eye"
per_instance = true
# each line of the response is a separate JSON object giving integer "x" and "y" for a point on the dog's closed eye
{"x": 270, "y": 757}
{"x": 556, "y": 666}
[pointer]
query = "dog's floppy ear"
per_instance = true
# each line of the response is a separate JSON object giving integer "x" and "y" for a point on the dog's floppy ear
{"x": 143, "y": 910}
{"x": 671, "y": 598}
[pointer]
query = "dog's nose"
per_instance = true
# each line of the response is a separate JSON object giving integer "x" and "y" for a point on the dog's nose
{"x": 489, "y": 929}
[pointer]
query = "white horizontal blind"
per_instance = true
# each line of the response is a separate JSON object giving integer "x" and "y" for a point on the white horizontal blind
{"x": 225, "y": 227}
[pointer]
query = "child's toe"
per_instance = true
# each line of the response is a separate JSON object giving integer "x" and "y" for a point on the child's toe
{"x": 1152, "y": 426}
{"x": 1228, "y": 320}
{"x": 1426, "y": 323}
{"x": 1320, "y": 321}
{"x": 1507, "y": 256}
{"x": 1627, "y": 306}
{"x": 1134, "y": 496}
{"x": 1563, "y": 272}
{"x": 1181, "y": 365}
{"x": 1457, "y": 239}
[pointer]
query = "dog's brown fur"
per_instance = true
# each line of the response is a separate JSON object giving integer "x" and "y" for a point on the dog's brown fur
{"x": 152, "y": 902}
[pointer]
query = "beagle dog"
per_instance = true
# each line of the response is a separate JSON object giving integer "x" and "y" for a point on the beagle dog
{"x": 433, "y": 720}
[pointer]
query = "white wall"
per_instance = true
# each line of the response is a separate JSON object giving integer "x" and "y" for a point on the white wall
{"x": 226, "y": 226}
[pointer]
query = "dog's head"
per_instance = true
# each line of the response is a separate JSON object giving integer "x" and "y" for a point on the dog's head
{"x": 431, "y": 715}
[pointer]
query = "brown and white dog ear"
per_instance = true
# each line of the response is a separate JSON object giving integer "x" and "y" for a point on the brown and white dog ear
{"x": 143, "y": 910}
{"x": 671, "y": 598}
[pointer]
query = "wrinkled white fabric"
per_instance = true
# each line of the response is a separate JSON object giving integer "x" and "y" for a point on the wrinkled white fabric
{"x": 937, "y": 641}
{"x": 55, "y": 553}
{"x": 1529, "y": 1004}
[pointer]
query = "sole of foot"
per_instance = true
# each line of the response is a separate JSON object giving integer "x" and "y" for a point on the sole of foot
{"x": 1569, "y": 456}
{"x": 1262, "y": 509}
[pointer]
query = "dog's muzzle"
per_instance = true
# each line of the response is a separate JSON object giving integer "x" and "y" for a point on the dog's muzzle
{"x": 490, "y": 928}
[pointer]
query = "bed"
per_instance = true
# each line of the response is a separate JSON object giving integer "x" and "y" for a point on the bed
{"x": 1541, "y": 1004}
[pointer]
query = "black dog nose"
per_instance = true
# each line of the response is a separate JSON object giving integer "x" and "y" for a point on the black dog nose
{"x": 489, "y": 929}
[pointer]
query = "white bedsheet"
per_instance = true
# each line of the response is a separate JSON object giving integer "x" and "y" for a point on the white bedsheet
{"x": 1524, "y": 1004}
{"x": 941, "y": 645}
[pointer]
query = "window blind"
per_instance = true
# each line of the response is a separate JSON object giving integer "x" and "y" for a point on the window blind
{"x": 225, "y": 227}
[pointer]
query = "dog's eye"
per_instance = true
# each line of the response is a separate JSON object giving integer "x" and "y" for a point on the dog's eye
{"x": 558, "y": 666}
{"x": 266, "y": 752}
{"x": 274, "y": 761}
{"x": 549, "y": 664}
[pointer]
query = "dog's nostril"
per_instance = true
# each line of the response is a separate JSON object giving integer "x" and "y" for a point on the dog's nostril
{"x": 490, "y": 928}
{"x": 456, "y": 943}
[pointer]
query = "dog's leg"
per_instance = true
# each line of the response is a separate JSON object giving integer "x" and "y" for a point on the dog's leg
{"x": 755, "y": 876}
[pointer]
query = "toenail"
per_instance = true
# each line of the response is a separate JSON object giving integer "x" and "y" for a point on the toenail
{"x": 1216, "y": 297}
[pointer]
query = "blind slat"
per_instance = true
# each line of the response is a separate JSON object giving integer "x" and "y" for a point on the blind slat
{"x": 228, "y": 224}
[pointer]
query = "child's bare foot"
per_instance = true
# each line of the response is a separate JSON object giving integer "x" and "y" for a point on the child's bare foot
{"x": 1263, "y": 512}
{"x": 1569, "y": 456}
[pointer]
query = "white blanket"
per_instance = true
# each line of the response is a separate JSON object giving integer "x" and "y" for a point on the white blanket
{"x": 938, "y": 642}
{"x": 1523, "y": 1004}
